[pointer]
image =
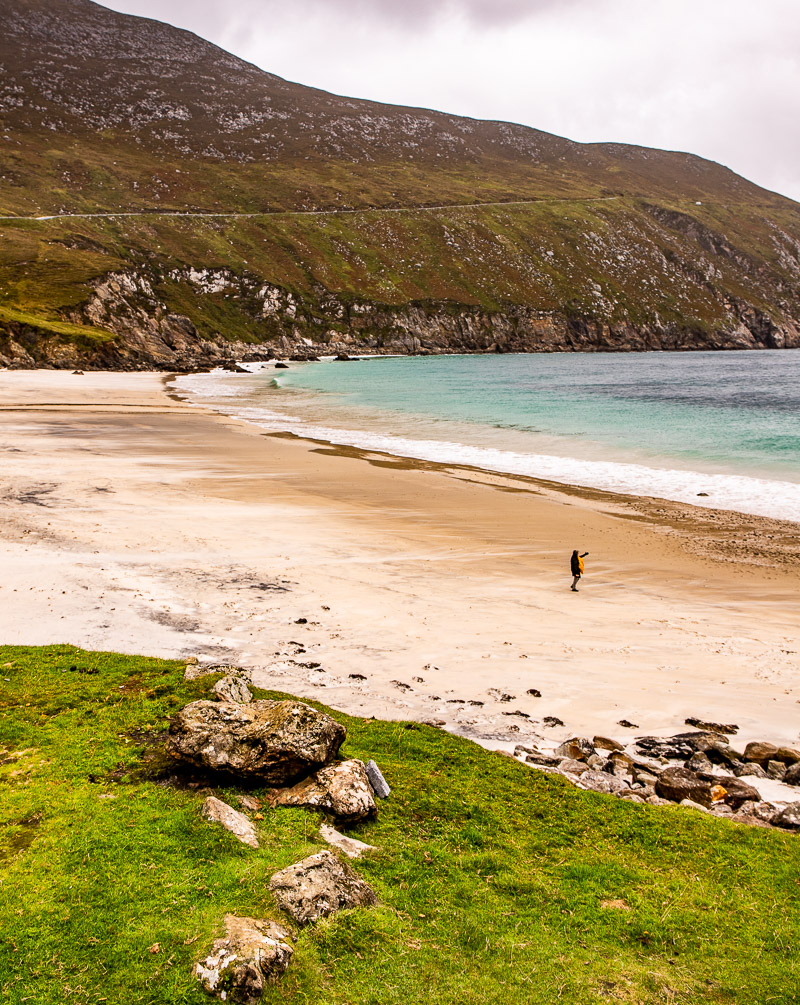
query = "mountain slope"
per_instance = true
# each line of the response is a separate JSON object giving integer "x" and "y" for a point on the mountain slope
{"x": 596, "y": 246}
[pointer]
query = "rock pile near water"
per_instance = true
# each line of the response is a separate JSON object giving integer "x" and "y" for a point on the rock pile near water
{"x": 712, "y": 775}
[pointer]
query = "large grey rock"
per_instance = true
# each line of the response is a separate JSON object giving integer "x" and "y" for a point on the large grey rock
{"x": 342, "y": 789}
{"x": 379, "y": 784}
{"x": 252, "y": 954}
{"x": 237, "y": 823}
{"x": 789, "y": 817}
{"x": 274, "y": 741}
{"x": 232, "y": 688}
{"x": 350, "y": 846}
{"x": 677, "y": 784}
{"x": 318, "y": 886}
{"x": 601, "y": 781}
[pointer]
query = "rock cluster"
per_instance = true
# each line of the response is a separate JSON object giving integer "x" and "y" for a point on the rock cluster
{"x": 710, "y": 776}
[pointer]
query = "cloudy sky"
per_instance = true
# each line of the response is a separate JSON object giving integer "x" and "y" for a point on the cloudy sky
{"x": 720, "y": 78}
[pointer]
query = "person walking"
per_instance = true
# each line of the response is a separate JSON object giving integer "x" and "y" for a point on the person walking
{"x": 576, "y": 568}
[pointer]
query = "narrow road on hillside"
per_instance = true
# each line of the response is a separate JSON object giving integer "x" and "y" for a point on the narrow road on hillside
{"x": 160, "y": 214}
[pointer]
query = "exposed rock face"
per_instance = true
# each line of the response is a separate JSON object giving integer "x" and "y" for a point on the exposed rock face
{"x": 342, "y": 789}
{"x": 274, "y": 741}
{"x": 252, "y": 954}
{"x": 318, "y": 886}
{"x": 237, "y": 823}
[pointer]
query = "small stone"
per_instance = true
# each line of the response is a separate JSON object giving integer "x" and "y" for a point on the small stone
{"x": 626, "y": 724}
{"x": 699, "y": 762}
{"x": 715, "y": 727}
{"x": 534, "y": 692}
{"x": 319, "y": 886}
{"x": 356, "y": 676}
{"x": 552, "y": 720}
{"x": 750, "y": 768}
{"x": 600, "y": 781}
{"x": 252, "y": 954}
{"x": 350, "y": 846}
{"x": 379, "y": 784}
{"x": 237, "y": 823}
{"x": 692, "y": 805}
{"x": 631, "y": 797}
{"x": 250, "y": 803}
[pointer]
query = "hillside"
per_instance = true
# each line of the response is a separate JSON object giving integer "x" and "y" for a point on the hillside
{"x": 496, "y": 883}
{"x": 342, "y": 223}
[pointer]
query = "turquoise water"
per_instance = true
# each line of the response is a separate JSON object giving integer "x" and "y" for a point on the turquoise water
{"x": 671, "y": 425}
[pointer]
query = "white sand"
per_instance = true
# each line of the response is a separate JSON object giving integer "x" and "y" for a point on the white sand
{"x": 133, "y": 522}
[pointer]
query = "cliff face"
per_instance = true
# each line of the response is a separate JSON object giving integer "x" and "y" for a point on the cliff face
{"x": 342, "y": 224}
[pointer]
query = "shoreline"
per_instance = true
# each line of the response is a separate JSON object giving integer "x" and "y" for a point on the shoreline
{"x": 137, "y": 523}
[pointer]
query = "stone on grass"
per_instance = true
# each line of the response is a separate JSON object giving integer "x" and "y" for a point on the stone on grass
{"x": 379, "y": 784}
{"x": 677, "y": 784}
{"x": 692, "y": 805}
{"x": 274, "y": 741}
{"x": 341, "y": 789}
{"x": 232, "y": 688}
{"x": 601, "y": 781}
{"x": 350, "y": 846}
{"x": 252, "y": 954}
{"x": 237, "y": 823}
{"x": 788, "y": 817}
{"x": 318, "y": 886}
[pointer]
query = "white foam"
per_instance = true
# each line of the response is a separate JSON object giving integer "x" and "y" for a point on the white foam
{"x": 740, "y": 493}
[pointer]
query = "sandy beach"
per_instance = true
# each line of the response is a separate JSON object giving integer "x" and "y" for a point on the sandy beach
{"x": 132, "y": 521}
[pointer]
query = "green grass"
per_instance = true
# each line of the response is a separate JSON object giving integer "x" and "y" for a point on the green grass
{"x": 490, "y": 875}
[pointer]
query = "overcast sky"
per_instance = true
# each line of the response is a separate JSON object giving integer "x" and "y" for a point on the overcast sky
{"x": 720, "y": 78}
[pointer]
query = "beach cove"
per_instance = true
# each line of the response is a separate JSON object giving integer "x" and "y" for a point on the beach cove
{"x": 384, "y": 586}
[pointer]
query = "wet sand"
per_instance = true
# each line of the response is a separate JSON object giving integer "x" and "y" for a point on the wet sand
{"x": 132, "y": 521}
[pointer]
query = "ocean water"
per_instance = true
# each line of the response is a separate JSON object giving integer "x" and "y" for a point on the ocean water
{"x": 714, "y": 429}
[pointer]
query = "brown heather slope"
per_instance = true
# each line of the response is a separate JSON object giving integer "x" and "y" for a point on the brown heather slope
{"x": 575, "y": 246}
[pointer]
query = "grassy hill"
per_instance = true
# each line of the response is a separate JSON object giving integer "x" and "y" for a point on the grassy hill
{"x": 496, "y": 883}
{"x": 613, "y": 246}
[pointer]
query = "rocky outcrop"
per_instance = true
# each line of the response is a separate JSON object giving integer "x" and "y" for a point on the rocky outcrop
{"x": 276, "y": 742}
{"x": 319, "y": 886}
{"x": 252, "y": 954}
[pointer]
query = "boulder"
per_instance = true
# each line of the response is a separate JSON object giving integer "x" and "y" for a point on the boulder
{"x": 776, "y": 770}
{"x": 276, "y": 742}
{"x": 604, "y": 743}
{"x": 252, "y": 954}
{"x": 699, "y": 762}
{"x": 788, "y": 817}
{"x": 542, "y": 760}
{"x": 762, "y": 811}
{"x": 749, "y": 768}
{"x": 788, "y": 755}
{"x": 716, "y": 727}
{"x": 683, "y": 745}
{"x": 342, "y": 789}
{"x": 601, "y": 781}
{"x": 677, "y": 784}
{"x": 569, "y": 766}
{"x": 735, "y": 792}
{"x": 792, "y": 776}
{"x": 760, "y": 752}
{"x": 379, "y": 784}
{"x": 631, "y": 797}
{"x": 318, "y": 886}
{"x": 692, "y": 805}
{"x": 350, "y": 846}
{"x": 578, "y": 748}
{"x": 232, "y": 689}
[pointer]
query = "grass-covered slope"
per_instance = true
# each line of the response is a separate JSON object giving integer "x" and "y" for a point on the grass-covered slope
{"x": 493, "y": 879}
{"x": 617, "y": 246}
